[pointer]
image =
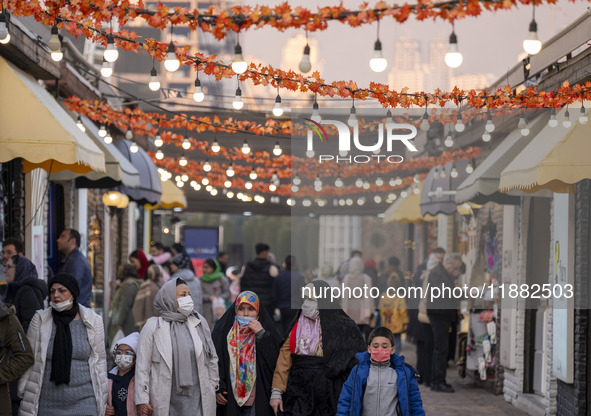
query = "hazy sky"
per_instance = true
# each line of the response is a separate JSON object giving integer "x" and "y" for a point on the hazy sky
{"x": 490, "y": 42}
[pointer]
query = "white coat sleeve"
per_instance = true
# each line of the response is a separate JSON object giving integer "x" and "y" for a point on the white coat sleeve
{"x": 99, "y": 339}
{"x": 34, "y": 335}
{"x": 143, "y": 362}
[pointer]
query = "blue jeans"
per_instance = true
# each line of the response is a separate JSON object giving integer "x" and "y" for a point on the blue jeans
{"x": 245, "y": 411}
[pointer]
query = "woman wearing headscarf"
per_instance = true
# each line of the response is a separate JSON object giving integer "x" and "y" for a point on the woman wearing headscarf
{"x": 213, "y": 285}
{"x": 25, "y": 291}
{"x": 69, "y": 376}
{"x": 178, "y": 248}
{"x": 247, "y": 344}
{"x": 143, "y": 305}
{"x": 176, "y": 367}
{"x": 121, "y": 316}
{"x": 316, "y": 358}
{"x": 359, "y": 309}
{"x": 140, "y": 261}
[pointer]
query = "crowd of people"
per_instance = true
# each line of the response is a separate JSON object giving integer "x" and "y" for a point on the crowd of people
{"x": 247, "y": 344}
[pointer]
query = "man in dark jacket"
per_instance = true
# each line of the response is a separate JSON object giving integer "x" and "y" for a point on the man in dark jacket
{"x": 289, "y": 282}
{"x": 443, "y": 312}
{"x": 75, "y": 263}
{"x": 258, "y": 275}
{"x": 16, "y": 355}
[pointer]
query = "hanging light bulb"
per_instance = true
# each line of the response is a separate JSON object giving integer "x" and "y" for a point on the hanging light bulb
{"x": 296, "y": 180}
{"x": 133, "y": 148}
{"x": 215, "y": 146}
{"x": 239, "y": 66}
{"x": 253, "y": 174}
{"x": 54, "y": 44}
{"x": 358, "y": 182}
{"x": 245, "y": 147}
{"x": 237, "y": 103}
{"x": 213, "y": 192}
{"x": 230, "y": 171}
{"x": 449, "y": 140}
{"x": 275, "y": 178}
{"x": 102, "y": 131}
{"x": 106, "y": 69}
{"x": 228, "y": 183}
{"x": 352, "y": 121}
{"x": 183, "y": 161}
{"x": 198, "y": 95}
{"x": 403, "y": 194}
{"x": 184, "y": 177}
{"x": 277, "y": 149}
{"x": 108, "y": 138}
{"x": 158, "y": 142}
{"x": 583, "y": 119}
{"x": 128, "y": 134}
{"x": 206, "y": 166}
{"x": 486, "y": 137}
{"x": 111, "y": 54}
{"x": 305, "y": 64}
{"x": 398, "y": 180}
{"x": 469, "y": 168}
{"x": 366, "y": 185}
{"x": 317, "y": 181}
{"x": 80, "y": 124}
{"x": 208, "y": 188}
{"x": 532, "y": 44}
{"x": 378, "y": 63}
{"x": 566, "y": 123}
{"x": 248, "y": 185}
{"x": 154, "y": 83}
{"x": 186, "y": 143}
{"x": 379, "y": 181}
{"x": 159, "y": 154}
{"x": 377, "y": 199}
{"x": 454, "y": 172}
{"x": 230, "y": 194}
{"x": 553, "y": 122}
{"x": 425, "y": 122}
{"x": 315, "y": 112}
{"x": 416, "y": 190}
{"x": 453, "y": 57}
{"x": 459, "y": 126}
{"x": 523, "y": 126}
{"x": 205, "y": 181}
{"x": 338, "y": 182}
{"x": 4, "y": 33}
{"x": 489, "y": 126}
{"x": 277, "y": 109}
{"x": 171, "y": 63}
{"x": 272, "y": 187}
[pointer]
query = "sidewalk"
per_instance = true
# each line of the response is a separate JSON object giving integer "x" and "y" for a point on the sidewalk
{"x": 469, "y": 398}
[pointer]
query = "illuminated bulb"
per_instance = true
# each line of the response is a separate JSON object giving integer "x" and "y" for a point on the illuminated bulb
{"x": 171, "y": 63}
{"x": 583, "y": 119}
{"x": 309, "y": 153}
{"x": 290, "y": 202}
{"x": 102, "y": 132}
{"x": 208, "y": 188}
{"x": 253, "y": 175}
{"x": 454, "y": 172}
{"x": 486, "y": 137}
{"x": 215, "y": 146}
{"x": 245, "y": 147}
{"x": 80, "y": 124}
{"x": 553, "y": 122}
{"x": 185, "y": 177}
{"x": 459, "y": 126}
{"x": 108, "y": 138}
{"x": 186, "y": 143}
{"x": 359, "y": 182}
{"x": 230, "y": 194}
{"x": 317, "y": 181}
{"x": 272, "y": 187}
{"x": 403, "y": 194}
{"x": 392, "y": 196}
{"x": 306, "y": 202}
{"x": 213, "y": 192}
{"x": 349, "y": 201}
{"x": 523, "y": 126}
{"x": 106, "y": 69}
{"x": 416, "y": 178}
{"x": 338, "y": 182}
{"x": 228, "y": 183}
{"x": 315, "y": 115}
{"x": 277, "y": 109}
{"x": 366, "y": 185}
{"x": 111, "y": 54}
{"x": 342, "y": 202}
{"x": 154, "y": 83}
{"x": 183, "y": 161}
{"x": 566, "y": 123}
{"x": 230, "y": 171}
{"x": 392, "y": 182}
{"x": 343, "y": 153}
{"x": 237, "y": 103}
{"x": 277, "y": 149}
{"x": 193, "y": 183}
{"x": 453, "y": 57}
{"x": 489, "y": 126}
{"x": 205, "y": 181}
{"x": 239, "y": 66}
{"x": 378, "y": 63}
{"x": 361, "y": 201}
{"x": 469, "y": 168}
{"x": 133, "y": 148}
{"x": 198, "y": 95}
{"x": 449, "y": 140}
{"x": 4, "y": 33}
{"x": 129, "y": 134}
{"x": 297, "y": 180}
{"x": 305, "y": 64}
{"x": 159, "y": 155}
{"x": 206, "y": 166}
{"x": 532, "y": 44}
{"x": 416, "y": 190}
{"x": 321, "y": 202}
{"x": 197, "y": 187}
{"x": 180, "y": 184}
{"x": 248, "y": 185}
{"x": 158, "y": 142}
{"x": 54, "y": 44}
{"x": 294, "y": 188}
{"x": 379, "y": 181}
{"x": 425, "y": 122}
{"x": 398, "y": 180}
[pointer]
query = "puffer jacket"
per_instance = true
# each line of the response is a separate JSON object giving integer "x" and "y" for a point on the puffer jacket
{"x": 39, "y": 334}
{"x": 153, "y": 368}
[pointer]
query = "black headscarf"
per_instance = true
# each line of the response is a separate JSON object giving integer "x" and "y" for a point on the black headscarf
{"x": 266, "y": 357}
{"x": 61, "y": 360}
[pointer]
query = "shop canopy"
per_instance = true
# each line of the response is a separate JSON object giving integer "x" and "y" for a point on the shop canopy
{"x": 172, "y": 197}
{"x": 36, "y": 129}
{"x": 482, "y": 185}
{"x": 150, "y": 188}
{"x": 439, "y": 188}
{"x": 119, "y": 170}
{"x": 556, "y": 159}
{"x": 407, "y": 210}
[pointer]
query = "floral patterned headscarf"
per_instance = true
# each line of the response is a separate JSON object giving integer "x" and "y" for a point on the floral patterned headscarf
{"x": 242, "y": 352}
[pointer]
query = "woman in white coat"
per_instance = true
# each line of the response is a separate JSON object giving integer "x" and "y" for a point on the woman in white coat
{"x": 176, "y": 367}
{"x": 69, "y": 376}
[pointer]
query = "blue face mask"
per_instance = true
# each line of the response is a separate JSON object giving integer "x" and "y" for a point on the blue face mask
{"x": 244, "y": 320}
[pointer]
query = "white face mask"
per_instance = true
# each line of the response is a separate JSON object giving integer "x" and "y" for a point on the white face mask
{"x": 310, "y": 309}
{"x": 185, "y": 305}
{"x": 124, "y": 361}
{"x": 62, "y": 306}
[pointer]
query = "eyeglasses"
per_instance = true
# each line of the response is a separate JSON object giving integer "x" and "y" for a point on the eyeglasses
{"x": 124, "y": 352}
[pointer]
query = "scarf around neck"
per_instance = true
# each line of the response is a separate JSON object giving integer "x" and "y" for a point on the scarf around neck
{"x": 165, "y": 303}
{"x": 308, "y": 337}
{"x": 61, "y": 360}
{"x": 210, "y": 277}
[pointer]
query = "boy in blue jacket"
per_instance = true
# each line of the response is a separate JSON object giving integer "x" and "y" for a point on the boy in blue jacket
{"x": 381, "y": 384}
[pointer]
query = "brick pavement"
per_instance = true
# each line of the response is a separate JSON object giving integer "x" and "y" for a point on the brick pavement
{"x": 469, "y": 399}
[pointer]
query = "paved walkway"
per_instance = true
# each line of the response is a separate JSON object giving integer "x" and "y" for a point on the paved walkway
{"x": 469, "y": 398}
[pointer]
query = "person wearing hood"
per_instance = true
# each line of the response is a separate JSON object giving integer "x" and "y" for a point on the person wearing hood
{"x": 213, "y": 285}
{"x": 381, "y": 384}
{"x": 16, "y": 355}
{"x": 25, "y": 290}
{"x": 258, "y": 276}
{"x": 121, "y": 400}
{"x": 186, "y": 263}
{"x": 177, "y": 365}
{"x": 247, "y": 344}
{"x": 143, "y": 305}
{"x": 180, "y": 268}
{"x": 140, "y": 262}
{"x": 359, "y": 309}
{"x": 69, "y": 376}
{"x": 316, "y": 358}
{"x": 121, "y": 307}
